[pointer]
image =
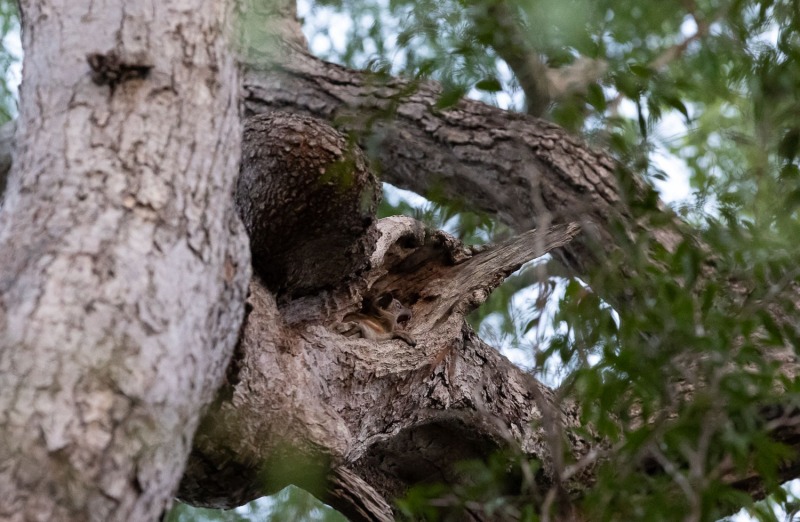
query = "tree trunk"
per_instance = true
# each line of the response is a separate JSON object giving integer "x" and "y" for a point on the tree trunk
{"x": 123, "y": 271}
{"x": 123, "y": 266}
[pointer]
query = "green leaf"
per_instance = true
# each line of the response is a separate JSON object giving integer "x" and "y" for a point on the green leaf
{"x": 450, "y": 96}
{"x": 489, "y": 85}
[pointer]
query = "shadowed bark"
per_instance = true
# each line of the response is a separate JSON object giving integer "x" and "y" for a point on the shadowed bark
{"x": 308, "y": 203}
{"x": 124, "y": 235}
{"x": 394, "y": 414}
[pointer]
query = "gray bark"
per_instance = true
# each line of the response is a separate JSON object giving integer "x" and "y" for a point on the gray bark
{"x": 123, "y": 265}
{"x": 122, "y": 274}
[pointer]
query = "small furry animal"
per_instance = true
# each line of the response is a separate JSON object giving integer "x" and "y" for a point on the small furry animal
{"x": 379, "y": 320}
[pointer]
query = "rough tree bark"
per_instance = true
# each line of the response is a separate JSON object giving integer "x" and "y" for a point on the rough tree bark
{"x": 523, "y": 170}
{"x": 122, "y": 276}
{"x": 519, "y": 168}
{"x": 123, "y": 266}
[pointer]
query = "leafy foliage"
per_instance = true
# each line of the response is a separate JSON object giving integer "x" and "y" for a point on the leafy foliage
{"x": 290, "y": 503}
{"x": 9, "y": 31}
{"x": 713, "y": 86}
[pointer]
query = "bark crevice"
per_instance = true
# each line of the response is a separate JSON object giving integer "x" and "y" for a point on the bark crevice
{"x": 304, "y": 389}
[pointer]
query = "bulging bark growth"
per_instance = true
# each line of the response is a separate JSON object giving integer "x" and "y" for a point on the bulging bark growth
{"x": 308, "y": 202}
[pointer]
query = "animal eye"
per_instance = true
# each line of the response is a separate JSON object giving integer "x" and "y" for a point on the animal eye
{"x": 385, "y": 300}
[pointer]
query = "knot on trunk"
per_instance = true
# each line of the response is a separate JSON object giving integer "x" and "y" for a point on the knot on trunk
{"x": 308, "y": 201}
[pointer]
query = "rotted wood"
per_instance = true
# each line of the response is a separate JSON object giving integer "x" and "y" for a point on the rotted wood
{"x": 393, "y": 414}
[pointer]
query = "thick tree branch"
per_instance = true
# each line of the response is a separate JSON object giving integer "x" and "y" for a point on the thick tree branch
{"x": 522, "y": 169}
{"x": 301, "y": 389}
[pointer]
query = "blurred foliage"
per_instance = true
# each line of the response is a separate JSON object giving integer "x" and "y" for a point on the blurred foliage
{"x": 9, "y": 58}
{"x": 289, "y": 504}
{"x": 714, "y": 86}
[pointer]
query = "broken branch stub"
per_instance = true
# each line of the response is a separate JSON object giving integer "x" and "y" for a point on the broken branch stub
{"x": 438, "y": 275}
{"x": 385, "y": 410}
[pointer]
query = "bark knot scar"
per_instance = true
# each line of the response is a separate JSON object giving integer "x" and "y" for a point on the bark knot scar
{"x": 109, "y": 69}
